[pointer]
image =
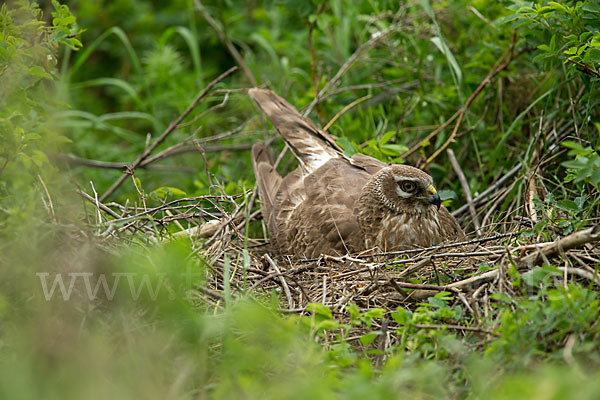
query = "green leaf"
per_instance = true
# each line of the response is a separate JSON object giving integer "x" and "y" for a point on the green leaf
{"x": 368, "y": 338}
{"x": 164, "y": 190}
{"x": 427, "y": 7}
{"x": 447, "y": 194}
{"x": 503, "y": 297}
{"x": 401, "y": 316}
{"x": 39, "y": 158}
{"x": 386, "y": 137}
{"x": 571, "y": 144}
{"x": 328, "y": 324}
{"x": 591, "y": 7}
{"x": 393, "y": 149}
{"x": 567, "y": 205}
{"x": 441, "y": 45}
{"x": 375, "y": 313}
{"x": 544, "y": 47}
{"x": 557, "y": 6}
{"x": 593, "y": 55}
{"x": 319, "y": 309}
{"x": 39, "y": 72}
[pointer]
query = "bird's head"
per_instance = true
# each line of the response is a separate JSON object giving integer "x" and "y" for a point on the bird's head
{"x": 405, "y": 189}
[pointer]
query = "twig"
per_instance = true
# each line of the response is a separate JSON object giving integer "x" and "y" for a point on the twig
{"x": 418, "y": 145}
{"x": 491, "y": 189}
{"x": 574, "y": 240}
{"x": 466, "y": 189}
{"x": 98, "y": 204}
{"x": 152, "y": 210}
{"x": 223, "y": 38}
{"x": 74, "y": 160}
{"x": 210, "y": 293}
{"x": 443, "y": 255}
{"x": 412, "y": 251}
{"x": 202, "y": 114}
{"x": 348, "y": 64}
{"x": 456, "y": 327}
{"x": 284, "y": 284}
{"x": 586, "y": 69}
{"x": 580, "y": 272}
{"x": 50, "y": 205}
{"x": 495, "y": 71}
{"x": 343, "y": 110}
{"x": 168, "y": 131}
{"x": 423, "y": 286}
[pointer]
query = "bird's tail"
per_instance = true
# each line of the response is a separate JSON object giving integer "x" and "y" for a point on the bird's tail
{"x": 311, "y": 146}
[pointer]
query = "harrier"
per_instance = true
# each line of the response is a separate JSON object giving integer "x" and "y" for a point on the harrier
{"x": 334, "y": 204}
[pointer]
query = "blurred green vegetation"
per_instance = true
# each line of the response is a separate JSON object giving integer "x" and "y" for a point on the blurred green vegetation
{"x": 101, "y": 80}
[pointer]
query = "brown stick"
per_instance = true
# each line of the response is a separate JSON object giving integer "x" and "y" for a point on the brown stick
{"x": 495, "y": 71}
{"x": 225, "y": 40}
{"x": 284, "y": 284}
{"x": 574, "y": 240}
{"x": 440, "y": 128}
{"x": 348, "y": 64}
{"x": 586, "y": 69}
{"x": 456, "y": 327}
{"x": 167, "y": 132}
{"x": 466, "y": 189}
{"x": 343, "y": 110}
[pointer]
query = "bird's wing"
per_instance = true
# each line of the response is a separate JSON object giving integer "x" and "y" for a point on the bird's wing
{"x": 268, "y": 181}
{"x": 311, "y": 146}
{"x": 450, "y": 227}
{"x": 316, "y": 214}
{"x": 369, "y": 164}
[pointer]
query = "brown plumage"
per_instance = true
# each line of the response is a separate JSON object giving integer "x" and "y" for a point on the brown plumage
{"x": 336, "y": 205}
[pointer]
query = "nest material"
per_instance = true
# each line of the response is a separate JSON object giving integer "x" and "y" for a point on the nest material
{"x": 470, "y": 270}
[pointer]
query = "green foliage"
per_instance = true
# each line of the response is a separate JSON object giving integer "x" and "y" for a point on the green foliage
{"x": 538, "y": 327}
{"x": 28, "y": 54}
{"x": 572, "y": 30}
{"x": 585, "y": 166}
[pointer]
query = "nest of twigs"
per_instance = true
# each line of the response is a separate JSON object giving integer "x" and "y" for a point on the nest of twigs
{"x": 471, "y": 270}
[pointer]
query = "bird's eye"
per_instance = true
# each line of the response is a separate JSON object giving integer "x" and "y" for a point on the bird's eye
{"x": 408, "y": 186}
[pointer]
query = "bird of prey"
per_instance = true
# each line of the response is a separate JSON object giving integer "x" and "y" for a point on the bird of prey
{"x": 334, "y": 204}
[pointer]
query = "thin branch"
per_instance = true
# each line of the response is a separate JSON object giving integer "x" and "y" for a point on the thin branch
{"x": 167, "y": 132}
{"x": 348, "y": 64}
{"x": 491, "y": 189}
{"x": 466, "y": 189}
{"x": 574, "y": 240}
{"x": 456, "y": 327}
{"x": 228, "y": 44}
{"x": 284, "y": 284}
{"x": 74, "y": 160}
{"x": 495, "y": 71}
{"x": 343, "y": 110}
{"x": 586, "y": 69}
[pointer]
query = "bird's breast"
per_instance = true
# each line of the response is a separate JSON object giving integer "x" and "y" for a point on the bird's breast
{"x": 401, "y": 231}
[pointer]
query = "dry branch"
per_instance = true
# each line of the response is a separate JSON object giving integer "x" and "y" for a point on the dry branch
{"x": 574, "y": 240}
{"x": 167, "y": 132}
{"x": 466, "y": 189}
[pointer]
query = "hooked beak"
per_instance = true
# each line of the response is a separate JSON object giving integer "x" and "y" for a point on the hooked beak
{"x": 435, "y": 197}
